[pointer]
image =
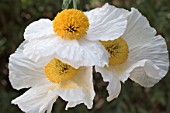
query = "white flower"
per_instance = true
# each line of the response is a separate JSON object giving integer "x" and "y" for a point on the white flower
{"x": 62, "y": 80}
{"x": 73, "y": 36}
{"x": 139, "y": 54}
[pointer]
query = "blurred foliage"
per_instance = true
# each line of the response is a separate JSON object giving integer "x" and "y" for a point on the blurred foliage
{"x": 15, "y": 15}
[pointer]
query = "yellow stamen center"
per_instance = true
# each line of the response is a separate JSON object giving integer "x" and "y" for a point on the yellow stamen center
{"x": 70, "y": 24}
{"x": 118, "y": 50}
{"x": 57, "y": 71}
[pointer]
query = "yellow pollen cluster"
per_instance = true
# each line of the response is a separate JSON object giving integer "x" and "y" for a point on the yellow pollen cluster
{"x": 71, "y": 24}
{"x": 57, "y": 71}
{"x": 118, "y": 50}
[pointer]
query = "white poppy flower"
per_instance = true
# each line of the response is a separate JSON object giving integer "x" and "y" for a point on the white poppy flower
{"x": 49, "y": 82}
{"x": 139, "y": 54}
{"x": 73, "y": 36}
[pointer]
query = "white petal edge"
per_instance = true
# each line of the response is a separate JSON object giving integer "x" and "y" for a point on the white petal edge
{"x": 41, "y": 51}
{"x": 40, "y": 29}
{"x": 24, "y": 73}
{"x": 72, "y": 104}
{"x": 149, "y": 77}
{"x": 139, "y": 76}
{"x": 36, "y": 100}
{"x": 147, "y": 74}
{"x": 83, "y": 89}
{"x": 106, "y": 23}
{"x": 84, "y": 79}
{"x": 114, "y": 86}
{"x": 70, "y": 94}
{"x": 138, "y": 31}
{"x": 144, "y": 45}
{"x": 73, "y": 52}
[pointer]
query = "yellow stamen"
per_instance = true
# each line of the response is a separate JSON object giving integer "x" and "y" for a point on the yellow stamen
{"x": 71, "y": 24}
{"x": 57, "y": 71}
{"x": 118, "y": 50}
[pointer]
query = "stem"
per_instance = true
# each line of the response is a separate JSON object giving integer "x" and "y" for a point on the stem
{"x": 66, "y": 4}
{"x": 74, "y": 4}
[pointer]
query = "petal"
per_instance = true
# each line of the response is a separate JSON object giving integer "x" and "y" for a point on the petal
{"x": 79, "y": 90}
{"x": 41, "y": 51}
{"x": 122, "y": 71}
{"x": 114, "y": 86}
{"x": 73, "y": 52}
{"x": 42, "y": 28}
{"x": 141, "y": 76}
{"x": 36, "y": 100}
{"x": 84, "y": 79}
{"x": 138, "y": 31}
{"x": 72, "y": 104}
{"x": 24, "y": 73}
{"x": 144, "y": 45}
{"x": 106, "y": 23}
{"x": 72, "y": 94}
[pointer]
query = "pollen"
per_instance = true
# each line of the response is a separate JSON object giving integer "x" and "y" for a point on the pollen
{"x": 71, "y": 24}
{"x": 58, "y": 72}
{"x": 118, "y": 50}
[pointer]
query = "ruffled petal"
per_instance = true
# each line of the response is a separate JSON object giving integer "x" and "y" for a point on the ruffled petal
{"x": 36, "y": 100}
{"x": 73, "y": 52}
{"x": 72, "y": 104}
{"x": 145, "y": 46}
{"x": 84, "y": 79}
{"x": 72, "y": 94}
{"x": 24, "y": 73}
{"x": 114, "y": 86}
{"x": 106, "y": 23}
{"x": 41, "y": 51}
{"x": 147, "y": 73}
{"x": 144, "y": 75}
{"x": 78, "y": 90}
{"x": 40, "y": 29}
{"x": 124, "y": 71}
{"x": 138, "y": 31}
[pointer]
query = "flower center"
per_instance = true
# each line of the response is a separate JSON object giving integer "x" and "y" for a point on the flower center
{"x": 118, "y": 50}
{"x": 57, "y": 71}
{"x": 70, "y": 24}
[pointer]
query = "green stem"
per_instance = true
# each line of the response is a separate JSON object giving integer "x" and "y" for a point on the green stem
{"x": 66, "y": 4}
{"x": 74, "y": 4}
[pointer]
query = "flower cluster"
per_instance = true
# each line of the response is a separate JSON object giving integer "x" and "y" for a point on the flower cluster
{"x": 56, "y": 58}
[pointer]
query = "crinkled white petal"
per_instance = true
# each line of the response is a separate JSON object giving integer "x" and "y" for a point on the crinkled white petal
{"x": 84, "y": 79}
{"x": 123, "y": 71}
{"x": 36, "y": 100}
{"x": 70, "y": 94}
{"x": 144, "y": 46}
{"x": 40, "y": 29}
{"x": 41, "y": 51}
{"x": 114, "y": 86}
{"x": 106, "y": 23}
{"x": 146, "y": 73}
{"x": 74, "y": 52}
{"x": 81, "y": 89}
{"x": 138, "y": 31}
{"x": 24, "y": 73}
{"x": 72, "y": 104}
{"x": 140, "y": 76}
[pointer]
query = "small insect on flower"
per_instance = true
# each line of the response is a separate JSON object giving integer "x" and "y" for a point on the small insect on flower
{"x": 139, "y": 54}
{"x": 73, "y": 36}
{"x": 48, "y": 82}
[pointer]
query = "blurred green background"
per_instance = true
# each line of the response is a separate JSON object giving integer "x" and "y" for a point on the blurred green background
{"x": 15, "y": 15}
